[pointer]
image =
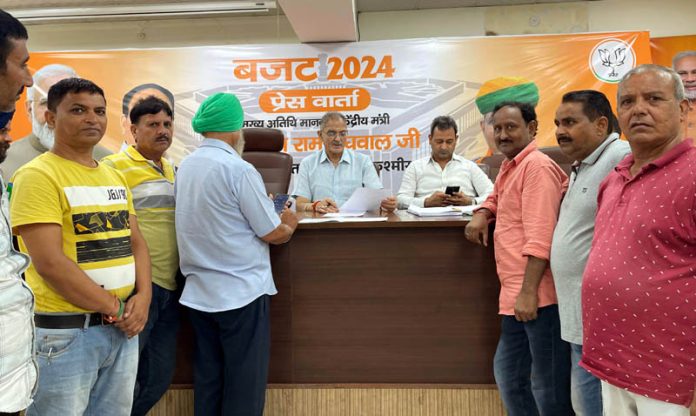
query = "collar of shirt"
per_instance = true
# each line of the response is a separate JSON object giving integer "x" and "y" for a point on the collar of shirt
{"x": 624, "y": 166}
{"x": 595, "y": 155}
{"x": 134, "y": 154}
{"x": 219, "y": 144}
{"x": 345, "y": 157}
{"x": 455, "y": 158}
{"x": 508, "y": 163}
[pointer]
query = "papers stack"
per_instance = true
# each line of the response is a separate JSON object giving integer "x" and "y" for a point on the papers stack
{"x": 441, "y": 211}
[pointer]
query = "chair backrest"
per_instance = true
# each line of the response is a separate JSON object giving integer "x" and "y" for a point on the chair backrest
{"x": 493, "y": 162}
{"x": 554, "y": 152}
{"x": 263, "y": 149}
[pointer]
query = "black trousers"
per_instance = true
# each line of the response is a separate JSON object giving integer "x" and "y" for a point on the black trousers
{"x": 231, "y": 360}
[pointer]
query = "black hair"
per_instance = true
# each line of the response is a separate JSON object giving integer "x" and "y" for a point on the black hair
{"x": 527, "y": 110}
{"x": 10, "y": 29}
{"x": 70, "y": 85}
{"x": 594, "y": 105}
{"x": 443, "y": 123}
{"x": 149, "y": 105}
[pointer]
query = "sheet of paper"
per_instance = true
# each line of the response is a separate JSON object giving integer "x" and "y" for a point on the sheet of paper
{"x": 364, "y": 199}
{"x": 434, "y": 211}
{"x": 363, "y": 219}
{"x": 344, "y": 214}
{"x": 468, "y": 209}
{"x": 317, "y": 220}
{"x": 341, "y": 219}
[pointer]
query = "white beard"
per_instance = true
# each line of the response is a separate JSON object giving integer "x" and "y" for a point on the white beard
{"x": 691, "y": 95}
{"x": 43, "y": 132}
{"x": 239, "y": 146}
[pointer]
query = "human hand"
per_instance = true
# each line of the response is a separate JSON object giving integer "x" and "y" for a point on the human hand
{"x": 438, "y": 199}
{"x": 388, "y": 204}
{"x": 135, "y": 315}
{"x": 289, "y": 218}
{"x": 326, "y": 205}
{"x": 526, "y": 306}
{"x": 477, "y": 230}
{"x": 458, "y": 198}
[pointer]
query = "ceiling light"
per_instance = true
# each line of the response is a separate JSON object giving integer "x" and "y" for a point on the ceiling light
{"x": 64, "y": 14}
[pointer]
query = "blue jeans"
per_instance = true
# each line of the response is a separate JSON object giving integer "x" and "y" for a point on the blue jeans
{"x": 84, "y": 371}
{"x": 532, "y": 366}
{"x": 231, "y": 360}
{"x": 157, "y": 350}
{"x": 586, "y": 389}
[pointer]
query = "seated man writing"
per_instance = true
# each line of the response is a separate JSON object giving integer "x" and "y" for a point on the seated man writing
{"x": 329, "y": 177}
{"x": 426, "y": 180}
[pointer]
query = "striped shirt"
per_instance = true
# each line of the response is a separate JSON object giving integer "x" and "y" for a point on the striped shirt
{"x": 153, "y": 199}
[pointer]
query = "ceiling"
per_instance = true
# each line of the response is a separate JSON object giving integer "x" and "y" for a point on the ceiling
{"x": 312, "y": 20}
{"x": 393, "y": 5}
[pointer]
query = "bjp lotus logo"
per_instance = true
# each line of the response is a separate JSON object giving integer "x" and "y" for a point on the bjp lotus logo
{"x": 611, "y": 59}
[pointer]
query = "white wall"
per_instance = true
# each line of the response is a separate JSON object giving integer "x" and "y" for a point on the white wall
{"x": 161, "y": 33}
{"x": 661, "y": 18}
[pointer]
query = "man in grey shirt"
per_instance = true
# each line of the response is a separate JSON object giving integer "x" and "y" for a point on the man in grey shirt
{"x": 587, "y": 132}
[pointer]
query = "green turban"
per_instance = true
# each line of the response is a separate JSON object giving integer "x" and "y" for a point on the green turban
{"x": 498, "y": 90}
{"x": 219, "y": 112}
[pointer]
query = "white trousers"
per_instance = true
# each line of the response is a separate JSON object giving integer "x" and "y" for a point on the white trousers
{"x": 619, "y": 402}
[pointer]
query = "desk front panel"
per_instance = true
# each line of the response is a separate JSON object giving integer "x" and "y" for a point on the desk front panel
{"x": 406, "y": 301}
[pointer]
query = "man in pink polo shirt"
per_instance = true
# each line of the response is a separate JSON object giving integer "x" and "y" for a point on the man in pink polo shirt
{"x": 639, "y": 285}
{"x": 532, "y": 363}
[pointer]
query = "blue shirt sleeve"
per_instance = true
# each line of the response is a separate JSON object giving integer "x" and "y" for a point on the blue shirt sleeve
{"x": 255, "y": 205}
{"x": 369, "y": 174}
{"x": 302, "y": 181}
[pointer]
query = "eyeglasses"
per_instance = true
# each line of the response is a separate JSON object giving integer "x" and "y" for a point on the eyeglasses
{"x": 331, "y": 134}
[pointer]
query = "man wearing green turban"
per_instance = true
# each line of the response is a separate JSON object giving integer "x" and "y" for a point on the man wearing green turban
{"x": 498, "y": 90}
{"x": 224, "y": 224}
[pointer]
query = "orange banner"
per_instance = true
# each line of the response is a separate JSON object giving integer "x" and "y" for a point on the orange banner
{"x": 664, "y": 50}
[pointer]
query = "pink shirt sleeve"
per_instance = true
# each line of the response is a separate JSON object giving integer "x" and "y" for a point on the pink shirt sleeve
{"x": 491, "y": 203}
{"x": 541, "y": 199}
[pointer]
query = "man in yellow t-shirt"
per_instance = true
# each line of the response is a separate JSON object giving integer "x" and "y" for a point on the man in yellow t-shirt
{"x": 91, "y": 269}
{"x": 151, "y": 180}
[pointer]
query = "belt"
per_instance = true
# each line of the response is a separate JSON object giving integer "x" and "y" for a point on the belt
{"x": 82, "y": 320}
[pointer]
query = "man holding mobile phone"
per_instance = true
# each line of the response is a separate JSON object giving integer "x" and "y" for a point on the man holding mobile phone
{"x": 443, "y": 178}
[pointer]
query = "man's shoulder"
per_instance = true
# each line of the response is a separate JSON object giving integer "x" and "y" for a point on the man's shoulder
{"x": 618, "y": 148}
{"x": 311, "y": 158}
{"x": 464, "y": 161}
{"x": 100, "y": 152}
{"x": 538, "y": 159}
{"x": 41, "y": 163}
{"x": 20, "y": 153}
{"x": 220, "y": 161}
{"x": 610, "y": 158}
{"x": 115, "y": 159}
{"x": 24, "y": 146}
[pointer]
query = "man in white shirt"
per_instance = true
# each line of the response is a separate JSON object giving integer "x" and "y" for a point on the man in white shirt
{"x": 426, "y": 180}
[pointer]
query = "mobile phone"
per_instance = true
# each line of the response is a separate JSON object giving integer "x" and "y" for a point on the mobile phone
{"x": 450, "y": 190}
{"x": 279, "y": 202}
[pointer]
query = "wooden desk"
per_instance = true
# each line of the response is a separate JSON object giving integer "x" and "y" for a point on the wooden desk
{"x": 408, "y": 300}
